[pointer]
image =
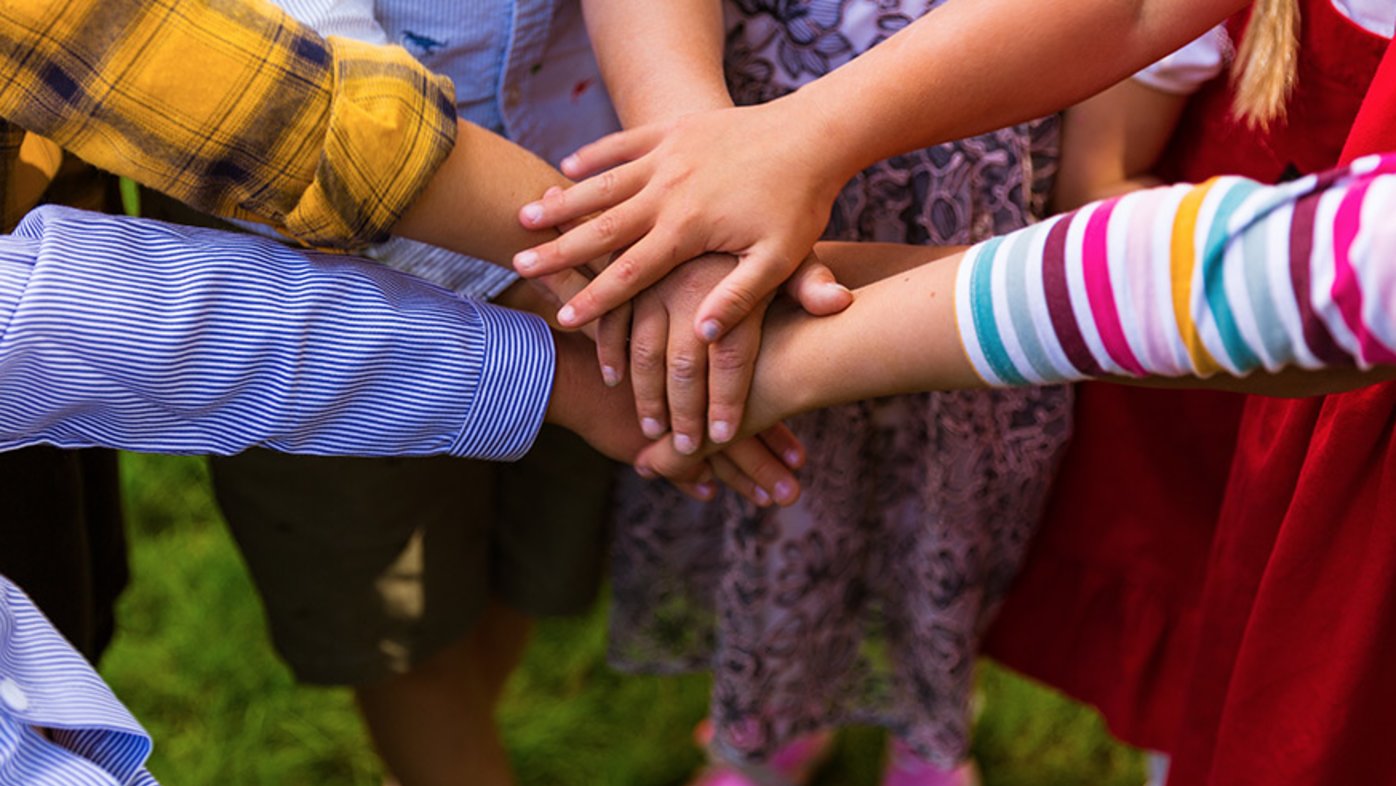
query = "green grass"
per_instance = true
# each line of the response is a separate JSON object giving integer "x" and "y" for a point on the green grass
{"x": 193, "y": 662}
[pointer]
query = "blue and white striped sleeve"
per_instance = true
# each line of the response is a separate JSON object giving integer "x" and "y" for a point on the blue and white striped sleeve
{"x": 91, "y": 740}
{"x": 145, "y": 336}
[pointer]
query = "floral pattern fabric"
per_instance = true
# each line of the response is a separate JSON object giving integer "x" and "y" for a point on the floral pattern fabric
{"x": 864, "y": 602}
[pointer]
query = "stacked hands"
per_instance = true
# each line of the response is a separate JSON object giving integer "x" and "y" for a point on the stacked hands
{"x": 685, "y": 327}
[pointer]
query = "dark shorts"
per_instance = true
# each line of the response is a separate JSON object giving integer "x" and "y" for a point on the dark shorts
{"x": 61, "y": 538}
{"x": 368, "y": 566}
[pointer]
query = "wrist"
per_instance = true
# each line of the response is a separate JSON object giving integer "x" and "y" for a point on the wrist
{"x": 677, "y": 100}
{"x": 826, "y": 142}
{"x": 562, "y": 403}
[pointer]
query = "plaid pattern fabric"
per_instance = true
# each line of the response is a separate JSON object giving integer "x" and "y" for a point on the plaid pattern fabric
{"x": 230, "y": 106}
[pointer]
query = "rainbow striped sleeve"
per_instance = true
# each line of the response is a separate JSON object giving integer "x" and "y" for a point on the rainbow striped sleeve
{"x": 1224, "y": 277}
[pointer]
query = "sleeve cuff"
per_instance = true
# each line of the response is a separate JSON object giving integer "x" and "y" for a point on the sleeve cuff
{"x": 515, "y": 385}
{"x": 391, "y": 125}
{"x": 466, "y": 276}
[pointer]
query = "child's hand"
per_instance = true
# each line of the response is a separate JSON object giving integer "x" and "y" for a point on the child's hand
{"x": 682, "y": 384}
{"x": 742, "y": 181}
{"x": 755, "y": 467}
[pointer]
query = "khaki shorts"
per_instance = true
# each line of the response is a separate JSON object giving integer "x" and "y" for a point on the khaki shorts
{"x": 367, "y": 566}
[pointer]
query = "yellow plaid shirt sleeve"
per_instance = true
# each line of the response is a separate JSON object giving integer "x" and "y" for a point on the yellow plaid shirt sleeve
{"x": 230, "y": 106}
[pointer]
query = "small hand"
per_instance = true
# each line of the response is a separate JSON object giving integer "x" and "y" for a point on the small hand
{"x": 682, "y": 384}
{"x": 781, "y": 388}
{"x": 605, "y": 418}
{"x": 707, "y": 182}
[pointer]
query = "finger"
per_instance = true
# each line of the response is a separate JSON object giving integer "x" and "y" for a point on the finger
{"x": 731, "y": 363}
{"x": 687, "y": 375}
{"x": 756, "y": 461}
{"x": 659, "y": 459}
{"x": 783, "y": 442}
{"x": 558, "y": 288}
{"x": 747, "y": 286}
{"x": 611, "y": 150}
{"x": 597, "y": 237}
{"x": 735, "y": 479}
{"x": 703, "y": 492}
{"x": 560, "y": 207}
{"x": 612, "y": 334}
{"x": 649, "y": 341}
{"x": 814, "y": 287}
{"x": 650, "y": 259}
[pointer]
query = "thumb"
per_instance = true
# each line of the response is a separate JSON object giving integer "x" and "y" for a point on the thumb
{"x": 814, "y": 287}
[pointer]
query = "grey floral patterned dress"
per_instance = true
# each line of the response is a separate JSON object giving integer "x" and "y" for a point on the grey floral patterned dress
{"x": 864, "y": 603}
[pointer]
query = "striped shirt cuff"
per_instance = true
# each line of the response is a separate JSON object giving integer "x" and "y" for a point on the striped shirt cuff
{"x": 1228, "y": 276}
{"x": 468, "y": 277}
{"x": 516, "y": 382}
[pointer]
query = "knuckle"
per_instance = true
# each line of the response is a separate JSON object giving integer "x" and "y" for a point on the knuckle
{"x": 741, "y": 299}
{"x": 684, "y": 368}
{"x": 625, "y": 270}
{"x": 646, "y": 357}
{"x": 729, "y": 357}
{"x": 607, "y": 183}
{"x": 606, "y": 225}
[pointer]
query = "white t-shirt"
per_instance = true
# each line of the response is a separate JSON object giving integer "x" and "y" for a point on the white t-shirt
{"x": 1185, "y": 70}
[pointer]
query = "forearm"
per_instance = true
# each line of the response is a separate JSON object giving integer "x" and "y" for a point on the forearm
{"x": 1228, "y": 285}
{"x": 660, "y": 60}
{"x": 860, "y": 264}
{"x": 1111, "y": 142}
{"x": 143, "y": 336}
{"x": 471, "y": 203}
{"x": 967, "y": 68}
{"x": 1227, "y": 278}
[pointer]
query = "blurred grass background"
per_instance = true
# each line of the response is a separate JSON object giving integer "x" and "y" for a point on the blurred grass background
{"x": 193, "y": 662}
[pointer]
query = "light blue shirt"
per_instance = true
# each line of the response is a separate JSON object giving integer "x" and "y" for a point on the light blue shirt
{"x": 60, "y": 725}
{"x": 522, "y": 69}
{"x": 134, "y": 334}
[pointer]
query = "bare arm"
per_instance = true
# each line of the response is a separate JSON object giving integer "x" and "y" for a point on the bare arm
{"x": 968, "y": 68}
{"x": 660, "y": 60}
{"x": 1111, "y": 141}
{"x": 757, "y": 182}
{"x": 469, "y": 204}
{"x": 1112, "y": 292}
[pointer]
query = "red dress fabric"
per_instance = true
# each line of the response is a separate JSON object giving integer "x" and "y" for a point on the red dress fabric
{"x": 1219, "y": 616}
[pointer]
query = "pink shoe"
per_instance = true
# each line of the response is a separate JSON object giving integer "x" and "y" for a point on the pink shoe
{"x": 905, "y": 768}
{"x": 792, "y": 765}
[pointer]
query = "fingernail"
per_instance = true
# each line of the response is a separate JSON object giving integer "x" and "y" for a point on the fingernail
{"x": 710, "y": 330}
{"x": 525, "y": 260}
{"x": 792, "y": 458}
{"x": 707, "y": 490}
{"x": 552, "y": 191}
{"x": 610, "y": 376}
{"x": 651, "y": 428}
{"x": 685, "y": 444}
{"x": 645, "y": 472}
{"x": 567, "y": 315}
{"x": 785, "y": 491}
{"x": 571, "y": 163}
{"x": 533, "y": 212}
{"x": 721, "y": 430}
{"x": 762, "y": 498}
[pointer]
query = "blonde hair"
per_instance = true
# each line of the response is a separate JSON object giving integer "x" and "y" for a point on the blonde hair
{"x": 1267, "y": 63}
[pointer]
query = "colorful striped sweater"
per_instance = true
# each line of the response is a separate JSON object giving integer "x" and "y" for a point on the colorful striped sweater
{"x": 1228, "y": 276}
